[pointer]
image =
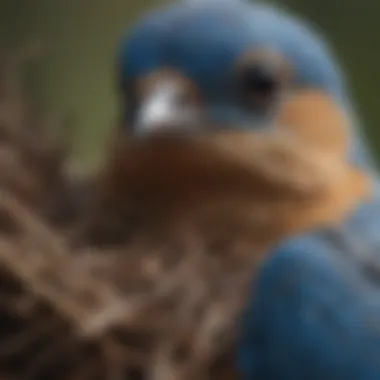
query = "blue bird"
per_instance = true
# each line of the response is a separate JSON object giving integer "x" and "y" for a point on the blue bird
{"x": 314, "y": 311}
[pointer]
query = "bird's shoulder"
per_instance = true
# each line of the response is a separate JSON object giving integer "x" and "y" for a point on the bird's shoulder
{"x": 312, "y": 311}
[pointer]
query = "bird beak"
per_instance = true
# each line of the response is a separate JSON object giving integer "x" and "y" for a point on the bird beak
{"x": 166, "y": 108}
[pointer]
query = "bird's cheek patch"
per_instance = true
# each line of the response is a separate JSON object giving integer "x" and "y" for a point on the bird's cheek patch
{"x": 323, "y": 129}
{"x": 314, "y": 117}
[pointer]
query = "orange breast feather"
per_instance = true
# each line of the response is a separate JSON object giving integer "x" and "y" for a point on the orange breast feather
{"x": 273, "y": 183}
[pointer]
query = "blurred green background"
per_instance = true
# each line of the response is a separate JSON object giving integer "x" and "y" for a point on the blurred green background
{"x": 77, "y": 73}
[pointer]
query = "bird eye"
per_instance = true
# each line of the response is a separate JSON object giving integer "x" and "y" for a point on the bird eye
{"x": 258, "y": 84}
{"x": 261, "y": 79}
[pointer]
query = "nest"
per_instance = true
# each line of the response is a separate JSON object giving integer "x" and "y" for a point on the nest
{"x": 155, "y": 306}
{"x": 141, "y": 310}
{"x": 83, "y": 314}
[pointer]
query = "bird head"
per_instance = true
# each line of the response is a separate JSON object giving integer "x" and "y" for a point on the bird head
{"x": 214, "y": 66}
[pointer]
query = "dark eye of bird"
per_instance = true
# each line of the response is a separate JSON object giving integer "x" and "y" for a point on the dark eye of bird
{"x": 258, "y": 85}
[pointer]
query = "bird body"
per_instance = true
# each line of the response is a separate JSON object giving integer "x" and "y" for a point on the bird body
{"x": 257, "y": 72}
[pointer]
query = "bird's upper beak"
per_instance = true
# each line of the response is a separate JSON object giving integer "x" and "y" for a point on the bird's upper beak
{"x": 167, "y": 106}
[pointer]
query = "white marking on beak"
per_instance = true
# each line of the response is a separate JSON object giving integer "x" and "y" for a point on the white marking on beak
{"x": 164, "y": 109}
